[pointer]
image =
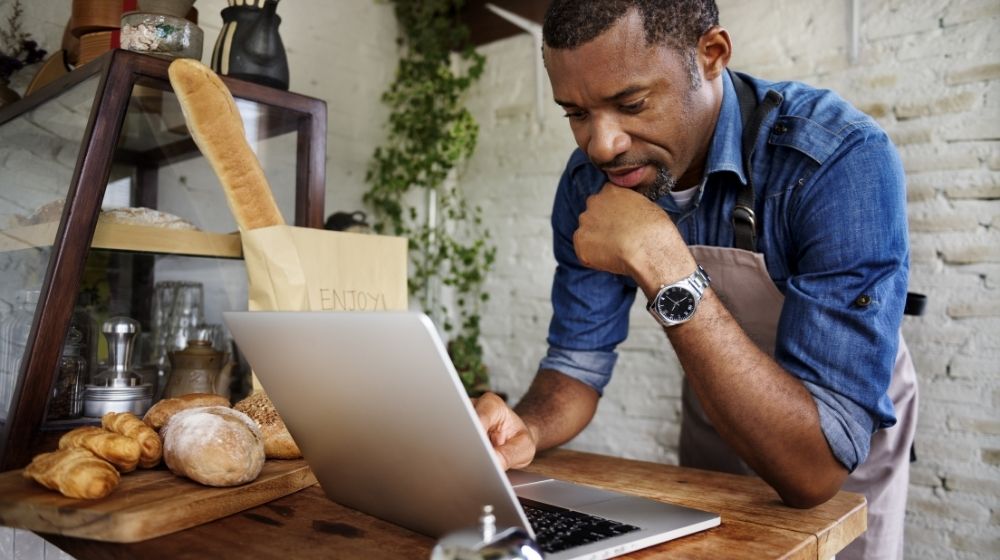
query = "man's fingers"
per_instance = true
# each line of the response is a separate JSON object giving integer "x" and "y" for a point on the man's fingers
{"x": 517, "y": 452}
{"x": 508, "y": 434}
{"x": 493, "y": 414}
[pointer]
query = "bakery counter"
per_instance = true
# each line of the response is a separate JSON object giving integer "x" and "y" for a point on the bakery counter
{"x": 307, "y": 525}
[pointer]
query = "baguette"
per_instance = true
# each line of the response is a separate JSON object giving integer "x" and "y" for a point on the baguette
{"x": 129, "y": 425}
{"x": 74, "y": 472}
{"x": 122, "y": 452}
{"x": 216, "y": 127}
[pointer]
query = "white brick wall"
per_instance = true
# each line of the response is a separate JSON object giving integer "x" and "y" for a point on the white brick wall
{"x": 928, "y": 71}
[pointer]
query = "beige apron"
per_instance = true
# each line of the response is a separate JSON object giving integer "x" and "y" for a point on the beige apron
{"x": 741, "y": 281}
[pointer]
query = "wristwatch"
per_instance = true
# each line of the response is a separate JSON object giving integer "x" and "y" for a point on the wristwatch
{"x": 676, "y": 303}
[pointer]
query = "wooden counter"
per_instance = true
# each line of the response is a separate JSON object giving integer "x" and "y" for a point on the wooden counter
{"x": 307, "y": 525}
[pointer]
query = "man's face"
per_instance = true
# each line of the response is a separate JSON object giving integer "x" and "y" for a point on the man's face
{"x": 632, "y": 108}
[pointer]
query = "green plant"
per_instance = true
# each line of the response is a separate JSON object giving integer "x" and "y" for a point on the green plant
{"x": 430, "y": 133}
{"x": 17, "y": 49}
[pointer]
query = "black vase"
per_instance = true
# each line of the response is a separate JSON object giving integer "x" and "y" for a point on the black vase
{"x": 249, "y": 46}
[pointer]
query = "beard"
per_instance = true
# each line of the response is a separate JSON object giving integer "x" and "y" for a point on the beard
{"x": 662, "y": 184}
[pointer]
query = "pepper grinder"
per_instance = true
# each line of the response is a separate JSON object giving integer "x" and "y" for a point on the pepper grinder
{"x": 118, "y": 388}
{"x": 485, "y": 543}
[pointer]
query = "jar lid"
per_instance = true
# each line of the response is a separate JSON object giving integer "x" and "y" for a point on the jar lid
{"x": 98, "y": 393}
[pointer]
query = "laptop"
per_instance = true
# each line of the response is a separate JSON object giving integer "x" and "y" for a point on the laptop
{"x": 375, "y": 405}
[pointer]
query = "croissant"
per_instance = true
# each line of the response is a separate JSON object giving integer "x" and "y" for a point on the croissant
{"x": 122, "y": 452}
{"x": 128, "y": 424}
{"x": 75, "y": 472}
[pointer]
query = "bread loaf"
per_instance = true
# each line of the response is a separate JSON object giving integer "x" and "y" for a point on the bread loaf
{"x": 160, "y": 412}
{"x": 216, "y": 446}
{"x": 122, "y": 452}
{"x": 278, "y": 443}
{"x": 74, "y": 472}
{"x": 129, "y": 425}
{"x": 215, "y": 124}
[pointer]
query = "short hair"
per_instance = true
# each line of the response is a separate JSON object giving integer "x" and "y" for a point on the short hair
{"x": 676, "y": 23}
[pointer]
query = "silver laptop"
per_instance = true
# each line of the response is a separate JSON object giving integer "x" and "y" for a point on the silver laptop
{"x": 375, "y": 404}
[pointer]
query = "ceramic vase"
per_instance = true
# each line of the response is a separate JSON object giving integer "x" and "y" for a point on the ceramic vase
{"x": 249, "y": 46}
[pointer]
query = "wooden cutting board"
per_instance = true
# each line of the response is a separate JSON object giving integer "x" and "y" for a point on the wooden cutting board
{"x": 146, "y": 504}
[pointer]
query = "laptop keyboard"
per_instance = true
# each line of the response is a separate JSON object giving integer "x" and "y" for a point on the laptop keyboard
{"x": 558, "y": 528}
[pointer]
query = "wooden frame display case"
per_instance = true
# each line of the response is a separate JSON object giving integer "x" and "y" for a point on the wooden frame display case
{"x": 111, "y": 134}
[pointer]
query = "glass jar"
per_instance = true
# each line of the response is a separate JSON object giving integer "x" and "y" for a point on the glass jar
{"x": 71, "y": 376}
{"x": 14, "y": 331}
{"x": 161, "y": 34}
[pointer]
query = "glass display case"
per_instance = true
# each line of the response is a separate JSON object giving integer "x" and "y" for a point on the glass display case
{"x": 117, "y": 246}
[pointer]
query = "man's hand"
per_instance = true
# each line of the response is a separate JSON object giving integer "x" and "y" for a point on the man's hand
{"x": 623, "y": 232}
{"x": 512, "y": 440}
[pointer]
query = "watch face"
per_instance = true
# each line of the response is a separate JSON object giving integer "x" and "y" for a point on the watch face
{"x": 676, "y": 304}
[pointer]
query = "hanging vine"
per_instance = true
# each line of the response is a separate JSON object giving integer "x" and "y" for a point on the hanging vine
{"x": 430, "y": 133}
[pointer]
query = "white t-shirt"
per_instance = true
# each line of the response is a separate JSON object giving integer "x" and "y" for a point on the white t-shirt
{"x": 685, "y": 198}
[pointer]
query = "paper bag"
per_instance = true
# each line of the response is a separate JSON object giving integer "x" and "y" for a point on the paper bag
{"x": 307, "y": 269}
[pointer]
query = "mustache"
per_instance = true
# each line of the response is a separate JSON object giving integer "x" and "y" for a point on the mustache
{"x": 622, "y": 162}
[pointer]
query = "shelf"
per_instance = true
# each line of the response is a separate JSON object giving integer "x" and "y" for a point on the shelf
{"x": 119, "y": 237}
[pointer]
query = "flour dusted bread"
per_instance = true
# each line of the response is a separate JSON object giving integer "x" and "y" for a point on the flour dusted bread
{"x": 74, "y": 472}
{"x": 160, "y": 413}
{"x": 216, "y": 446}
{"x": 278, "y": 443}
{"x": 217, "y": 129}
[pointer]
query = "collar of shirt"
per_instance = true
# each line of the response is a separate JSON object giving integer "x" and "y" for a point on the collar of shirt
{"x": 724, "y": 154}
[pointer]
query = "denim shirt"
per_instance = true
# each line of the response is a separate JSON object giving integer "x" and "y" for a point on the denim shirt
{"x": 831, "y": 208}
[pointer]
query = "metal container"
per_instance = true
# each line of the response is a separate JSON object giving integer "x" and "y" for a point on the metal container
{"x": 118, "y": 388}
{"x": 484, "y": 542}
{"x": 98, "y": 401}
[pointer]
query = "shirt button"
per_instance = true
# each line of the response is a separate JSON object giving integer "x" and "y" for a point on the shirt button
{"x": 780, "y": 128}
{"x": 863, "y": 300}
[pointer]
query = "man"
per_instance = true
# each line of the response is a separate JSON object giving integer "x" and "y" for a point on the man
{"x": 780, "y": 280}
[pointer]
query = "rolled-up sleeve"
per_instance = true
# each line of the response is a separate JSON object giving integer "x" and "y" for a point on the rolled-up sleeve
{"x": 591, "y": 368}
{"x": 839, "y": 327}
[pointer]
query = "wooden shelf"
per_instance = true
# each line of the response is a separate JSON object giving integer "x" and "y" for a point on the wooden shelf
{"x": 119, "y": 237}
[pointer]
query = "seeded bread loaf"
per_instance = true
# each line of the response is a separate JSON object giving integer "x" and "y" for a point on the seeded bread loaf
{"x": 278, "y": 443}
{"x": 215, "y": 124}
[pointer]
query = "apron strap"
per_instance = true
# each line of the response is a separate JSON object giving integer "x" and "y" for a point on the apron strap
{"x": 754, "y": 114}
{"x": 744, "y": 216}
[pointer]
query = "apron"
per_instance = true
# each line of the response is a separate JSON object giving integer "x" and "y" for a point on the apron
{"x": 741, "y": 281}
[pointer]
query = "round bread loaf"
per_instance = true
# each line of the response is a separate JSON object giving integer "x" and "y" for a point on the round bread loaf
{"x": 278, "y": 443}
{"x": 214, "y": 445}
{"x": 158, "y": 415}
